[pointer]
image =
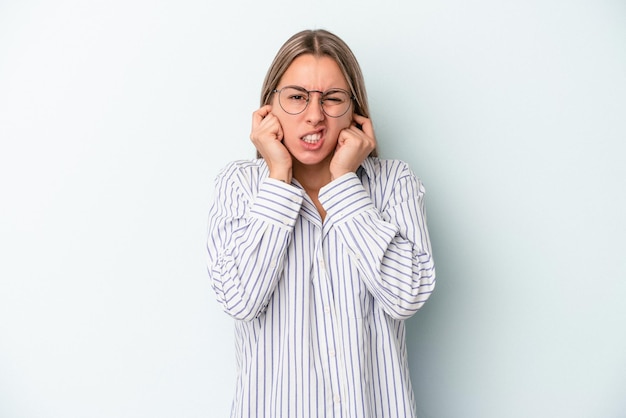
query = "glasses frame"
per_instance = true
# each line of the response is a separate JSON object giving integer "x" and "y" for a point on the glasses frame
{"x": 308, "y": 92}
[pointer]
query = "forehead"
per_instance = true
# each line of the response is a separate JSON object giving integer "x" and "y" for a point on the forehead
{"x": 314, "y": 73}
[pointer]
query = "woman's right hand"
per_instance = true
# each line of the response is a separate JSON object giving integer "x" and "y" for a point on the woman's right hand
{"x": 267, "y": 136}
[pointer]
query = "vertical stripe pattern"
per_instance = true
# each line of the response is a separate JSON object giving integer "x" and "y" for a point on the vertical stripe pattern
{"x": 319, "y": 307}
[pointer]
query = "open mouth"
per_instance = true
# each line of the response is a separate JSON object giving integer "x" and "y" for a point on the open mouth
{"x": 312, "y": 138}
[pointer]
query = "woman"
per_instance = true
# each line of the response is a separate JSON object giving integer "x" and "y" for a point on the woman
{"x": 318, "y": 249}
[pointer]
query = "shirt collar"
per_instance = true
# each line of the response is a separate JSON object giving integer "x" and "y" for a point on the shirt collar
{"x": 366, "y": 167}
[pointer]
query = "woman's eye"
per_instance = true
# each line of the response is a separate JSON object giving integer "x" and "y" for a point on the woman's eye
{"x": 334, "y": 99}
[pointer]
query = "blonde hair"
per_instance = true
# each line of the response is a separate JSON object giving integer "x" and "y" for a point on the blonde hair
{"x": 318, "y": 43}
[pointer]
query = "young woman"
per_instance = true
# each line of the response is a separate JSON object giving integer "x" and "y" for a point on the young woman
{"x": 318, "y": 249}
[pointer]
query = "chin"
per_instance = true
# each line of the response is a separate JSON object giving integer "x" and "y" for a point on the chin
{"x": 308, "y": 158}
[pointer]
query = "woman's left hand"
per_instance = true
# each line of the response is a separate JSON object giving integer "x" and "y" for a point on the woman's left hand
{"x": 353, "y": 146}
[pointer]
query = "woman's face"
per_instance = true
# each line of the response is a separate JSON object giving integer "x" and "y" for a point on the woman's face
{"x": 311, "y": 136}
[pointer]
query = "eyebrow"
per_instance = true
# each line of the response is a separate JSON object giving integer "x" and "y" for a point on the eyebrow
{"x": 313, "y": 91}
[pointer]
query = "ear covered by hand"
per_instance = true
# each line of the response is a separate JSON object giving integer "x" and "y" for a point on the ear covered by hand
{"x": 353, "y": 146}
{"x": 267, "y": 136}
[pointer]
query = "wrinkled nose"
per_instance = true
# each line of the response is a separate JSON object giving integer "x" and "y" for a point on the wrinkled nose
{"x": 314, "y": 111}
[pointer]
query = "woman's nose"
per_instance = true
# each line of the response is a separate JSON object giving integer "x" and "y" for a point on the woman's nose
{"x": 315, "y": 111}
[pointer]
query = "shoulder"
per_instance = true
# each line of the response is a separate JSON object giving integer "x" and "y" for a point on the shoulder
{"x": 385, "y": 170}
{"x": 243, "y": 175}
{"x": 246, "y": 167}
{"x": 243, "y": 169}
{"x": 387, "y": 179}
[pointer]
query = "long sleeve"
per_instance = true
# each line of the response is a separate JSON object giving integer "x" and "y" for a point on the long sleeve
{"x": 250, "y": 225}
{"x": 390, "y": 244}
{"x": 319, "y": 305}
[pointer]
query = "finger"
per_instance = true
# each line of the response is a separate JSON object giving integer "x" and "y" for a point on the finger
{"x": 265, "y": 110}
{"x": 279, "y": 130}
{"x": 353, "y": 132}
{"x": 357, "y": 138}
{"x": 261, "y": 113}
{"x": 366, "y": 124}
{"x": 359, "y": 118}
{"x": 345, "y": 134}
{"x": 271, "y": 123}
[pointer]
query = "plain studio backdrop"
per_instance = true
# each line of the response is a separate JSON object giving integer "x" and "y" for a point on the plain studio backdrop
{"x": 115, "y": 117}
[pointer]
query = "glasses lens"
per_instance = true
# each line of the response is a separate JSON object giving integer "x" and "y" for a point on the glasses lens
{"x": 293, "y": 100}
{"x": 335, "y": 103}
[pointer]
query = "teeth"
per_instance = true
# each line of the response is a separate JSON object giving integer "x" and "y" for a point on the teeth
{"x": 311, "y": 138}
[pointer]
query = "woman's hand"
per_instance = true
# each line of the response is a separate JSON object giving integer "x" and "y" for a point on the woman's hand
{"x": 353, "y": 146}
{"x": 267, "y": 136}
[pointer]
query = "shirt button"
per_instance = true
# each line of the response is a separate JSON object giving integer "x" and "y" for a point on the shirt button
{"x": 285, "y": 221}
{"x": 332, "y": 353}
{"x": 337, "y": 399}
{"x": 327, "y": 309}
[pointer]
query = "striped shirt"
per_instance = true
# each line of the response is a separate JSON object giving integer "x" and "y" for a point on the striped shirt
{"x": 319, "y": 307}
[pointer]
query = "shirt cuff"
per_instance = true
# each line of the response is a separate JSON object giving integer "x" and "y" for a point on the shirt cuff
{"x": 277, "y": 202}
{"x": 344, "y": 198}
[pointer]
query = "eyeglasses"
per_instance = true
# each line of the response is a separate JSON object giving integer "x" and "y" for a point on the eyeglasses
{"x": 334, "y": 102}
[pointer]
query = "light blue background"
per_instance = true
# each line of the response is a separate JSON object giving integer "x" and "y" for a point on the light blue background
{"x": 115, "y": 117}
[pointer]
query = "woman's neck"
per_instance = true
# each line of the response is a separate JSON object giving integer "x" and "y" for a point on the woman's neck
{"x": 312, "y": 178}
